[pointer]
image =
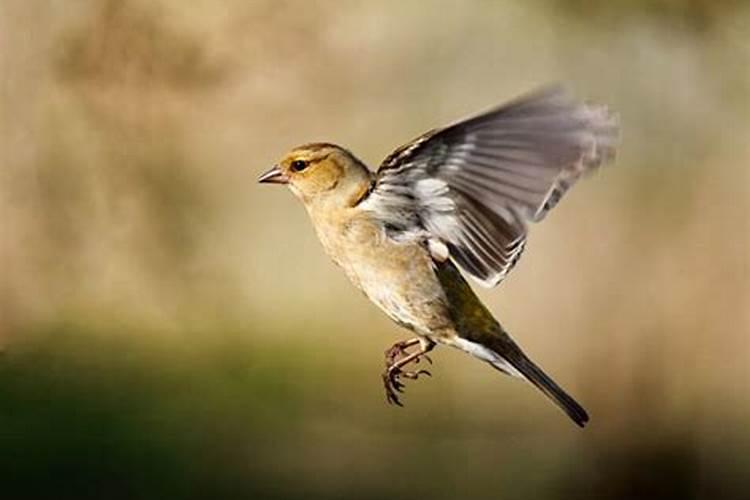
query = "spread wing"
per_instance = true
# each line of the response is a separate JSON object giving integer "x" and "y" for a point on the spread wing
{"x": 470, "y": 188}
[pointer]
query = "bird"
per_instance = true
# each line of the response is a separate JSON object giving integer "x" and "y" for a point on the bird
{"x": 457, "y": 199}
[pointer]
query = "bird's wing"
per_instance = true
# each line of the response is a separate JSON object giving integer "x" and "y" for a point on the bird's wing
{"x": 473, "y": 186}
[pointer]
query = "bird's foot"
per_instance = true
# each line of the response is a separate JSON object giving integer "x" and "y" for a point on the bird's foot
{"x": 393, "y": 384}
{"x": 392, "y": 387}
{"x": 396, "y": 357}
{"x": 414, "y": 375}
{"x": 399, "y": 351}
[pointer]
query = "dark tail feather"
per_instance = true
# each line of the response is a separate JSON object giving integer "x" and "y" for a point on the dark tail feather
{"x": 512, "y": 354}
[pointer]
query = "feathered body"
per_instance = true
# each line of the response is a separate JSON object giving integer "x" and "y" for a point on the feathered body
{"x": 398, "y": 276}
{"x": 459, "y": 196}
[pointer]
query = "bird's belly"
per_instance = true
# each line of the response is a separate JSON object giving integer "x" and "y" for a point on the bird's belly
{"x": 400, "y": 279}
{"x": 398, "y": 276}
{"x": 401, "y": 306}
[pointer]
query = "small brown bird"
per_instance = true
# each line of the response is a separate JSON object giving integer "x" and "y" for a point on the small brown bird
{"x": 456, "y": 197}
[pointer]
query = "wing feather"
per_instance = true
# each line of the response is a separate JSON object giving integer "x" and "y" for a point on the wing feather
{"x": 473, "y": 186}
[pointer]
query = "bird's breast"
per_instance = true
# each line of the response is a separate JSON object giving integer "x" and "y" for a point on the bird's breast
{"x": 398, "y": 276}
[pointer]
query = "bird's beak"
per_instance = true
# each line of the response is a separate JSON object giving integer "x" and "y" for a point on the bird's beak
{"x": 274, "y": 176}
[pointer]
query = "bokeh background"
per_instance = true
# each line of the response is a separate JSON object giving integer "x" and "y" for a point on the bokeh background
{"x": 171, "y": 329}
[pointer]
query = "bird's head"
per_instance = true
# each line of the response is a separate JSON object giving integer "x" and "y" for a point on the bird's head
{"x": 321, "y": 173}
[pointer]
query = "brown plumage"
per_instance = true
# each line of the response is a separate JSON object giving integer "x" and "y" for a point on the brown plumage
{"x": 460, "y": 196}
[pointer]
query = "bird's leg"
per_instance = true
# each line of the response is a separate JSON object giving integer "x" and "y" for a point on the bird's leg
{"x": 395, "y": 370}
{"x": 398, "y": 350}
{"x": 394, "y": 367}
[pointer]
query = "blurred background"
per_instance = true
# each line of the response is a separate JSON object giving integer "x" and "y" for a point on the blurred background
{"x": 171, "y": 329}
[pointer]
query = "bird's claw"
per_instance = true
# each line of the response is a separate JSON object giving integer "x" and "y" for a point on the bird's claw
{"x": 415, "y": 374}
{"x": 394, "y": 386}
{"x": 425, "y": 357}
{"x": 396, "y": 357}
{"x": 395, "y": 352}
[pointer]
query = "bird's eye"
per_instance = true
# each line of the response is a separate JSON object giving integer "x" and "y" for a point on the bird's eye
{"x": 298, "y": 165}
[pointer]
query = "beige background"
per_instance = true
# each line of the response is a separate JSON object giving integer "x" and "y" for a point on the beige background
{"x": 172, "y": 328}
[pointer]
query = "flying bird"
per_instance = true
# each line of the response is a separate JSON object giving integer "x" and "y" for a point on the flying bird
{"x": 456, "y": 199}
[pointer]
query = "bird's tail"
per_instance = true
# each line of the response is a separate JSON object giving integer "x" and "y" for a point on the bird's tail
{"x": 506, "y": 356}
